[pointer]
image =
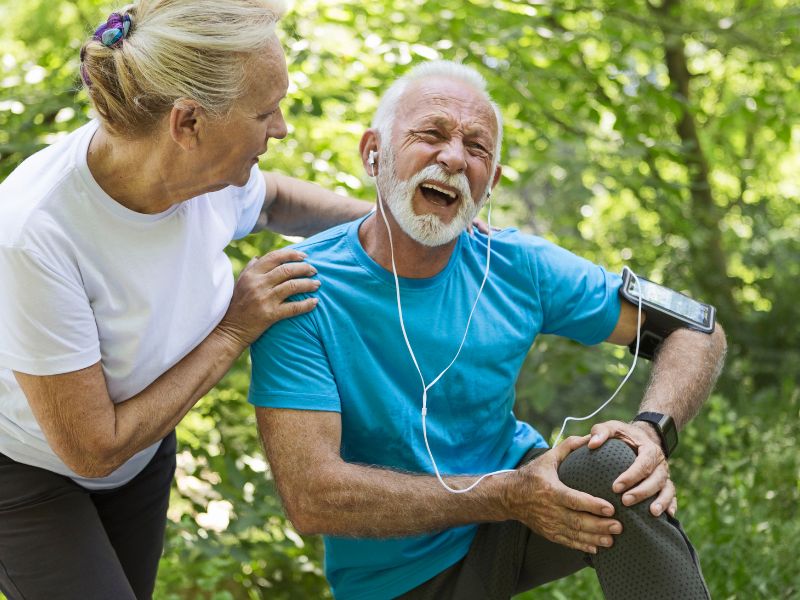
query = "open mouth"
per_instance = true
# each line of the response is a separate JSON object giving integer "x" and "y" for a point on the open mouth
{"x": 438, "y": 194}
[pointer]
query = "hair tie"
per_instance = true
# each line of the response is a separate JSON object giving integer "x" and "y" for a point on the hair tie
{"x": 114, "y": 30}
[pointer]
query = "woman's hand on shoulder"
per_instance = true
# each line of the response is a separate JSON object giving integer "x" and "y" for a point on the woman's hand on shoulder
{"x": 261, "y": 292}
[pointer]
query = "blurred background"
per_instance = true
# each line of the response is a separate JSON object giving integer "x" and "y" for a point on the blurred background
{"x": 660, "y": 134}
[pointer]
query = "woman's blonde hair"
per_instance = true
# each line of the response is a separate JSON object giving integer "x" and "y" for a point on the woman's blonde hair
{"x": 197, "y": 49}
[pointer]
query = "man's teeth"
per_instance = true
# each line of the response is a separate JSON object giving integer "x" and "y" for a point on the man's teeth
{"x": 431, "y": 186}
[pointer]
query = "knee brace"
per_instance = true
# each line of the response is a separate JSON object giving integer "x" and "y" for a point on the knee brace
{"x": 593, "y": 471}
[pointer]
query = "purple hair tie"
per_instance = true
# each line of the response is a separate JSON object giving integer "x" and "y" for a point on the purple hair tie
{"x": 110, "y": 34}
{"x": 114, "y": 30}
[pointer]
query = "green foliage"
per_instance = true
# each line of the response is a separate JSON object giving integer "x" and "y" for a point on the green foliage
{"x": 663, "y": 135}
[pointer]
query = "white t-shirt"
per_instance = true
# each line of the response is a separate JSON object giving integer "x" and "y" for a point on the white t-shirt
{"x": 82, "y": 279}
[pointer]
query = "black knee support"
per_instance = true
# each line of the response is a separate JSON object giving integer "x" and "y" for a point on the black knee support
{"x": 652, "y": 557}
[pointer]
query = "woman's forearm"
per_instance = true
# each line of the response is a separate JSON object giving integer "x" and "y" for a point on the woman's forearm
{"x": 296, "y": 207}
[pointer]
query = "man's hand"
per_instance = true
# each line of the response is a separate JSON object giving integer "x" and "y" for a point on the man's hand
{"x": 649, "y": 473}
{"x": 556, "y": 512}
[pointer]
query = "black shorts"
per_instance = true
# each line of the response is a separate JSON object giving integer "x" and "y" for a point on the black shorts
{"x": 652, "y": 559}
{"x": 60, "y": 540}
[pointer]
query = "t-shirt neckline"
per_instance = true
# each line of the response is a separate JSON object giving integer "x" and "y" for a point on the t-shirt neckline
{"x": 385, "y": 275}
{"x": 98, "y": 194}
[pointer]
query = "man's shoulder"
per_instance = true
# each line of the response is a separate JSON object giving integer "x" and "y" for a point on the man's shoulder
{"x": 325, "y": 242}
{"x": 512, "y": 244}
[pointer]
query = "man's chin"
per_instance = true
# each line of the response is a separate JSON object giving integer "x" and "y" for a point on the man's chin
{"x": 432, "y": 236}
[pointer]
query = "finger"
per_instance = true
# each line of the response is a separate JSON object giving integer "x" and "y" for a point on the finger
{"x": 272, "y": 259}
{"x": 287, "y": 271}
{"x": 601, "y": 432}
{"x": 570, "y": 444}
{"x": 648, "y": 459}
{"x": 591, "y": 525}
{"x": 293, "y": 308}
{"x": 581, "y": 540}
{"x": 673, "y": 506}
{"x": 293, "y": 287}
{"x": 647, "y": 488}
{"x": 586, "y": 503}
{"x": 576, "y": 544}
{"x": 480, "y": 226}
{"x": 664, "y": 499}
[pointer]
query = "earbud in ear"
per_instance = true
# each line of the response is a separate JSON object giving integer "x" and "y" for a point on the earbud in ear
{"x": 371, "y": 158}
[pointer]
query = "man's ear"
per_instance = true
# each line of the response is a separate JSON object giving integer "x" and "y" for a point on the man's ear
{"x": 186, "y": 120}
{"x": 368, "y": 148}
{"x": 498, "y": 170}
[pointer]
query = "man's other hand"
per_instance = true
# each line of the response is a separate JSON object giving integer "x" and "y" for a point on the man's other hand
{"x": 649, "y": 474}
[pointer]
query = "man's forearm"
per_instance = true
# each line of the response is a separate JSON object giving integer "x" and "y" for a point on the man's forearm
{"x": 360, "y": 501}
{"x": 684, "y": 372}
{"x": 324, "y": 494}
{"x": 301, "y": 208}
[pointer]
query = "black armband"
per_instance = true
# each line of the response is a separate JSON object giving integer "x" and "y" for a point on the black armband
{"x": 666, "y": 310}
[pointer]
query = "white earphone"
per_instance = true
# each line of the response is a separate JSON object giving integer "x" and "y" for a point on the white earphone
{"x": 426, "y": 386}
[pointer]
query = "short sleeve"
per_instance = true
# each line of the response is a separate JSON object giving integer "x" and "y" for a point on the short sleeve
{"x": 579, "y": 299}
{"x": 291, "y": 368}
{"x": 250, "y": 200}
{"x": 47, "y": 324}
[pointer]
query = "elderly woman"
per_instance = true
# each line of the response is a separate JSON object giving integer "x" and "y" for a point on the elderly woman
{"x": 118, "y": 308}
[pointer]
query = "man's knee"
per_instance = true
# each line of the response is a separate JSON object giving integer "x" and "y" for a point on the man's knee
{"x": 594, "y": 471}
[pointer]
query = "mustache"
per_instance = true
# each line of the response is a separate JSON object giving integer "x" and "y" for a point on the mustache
{"x": 436, "y": 173}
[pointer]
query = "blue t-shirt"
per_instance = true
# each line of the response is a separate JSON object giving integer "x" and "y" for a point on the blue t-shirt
{"x": 348, "y": 356}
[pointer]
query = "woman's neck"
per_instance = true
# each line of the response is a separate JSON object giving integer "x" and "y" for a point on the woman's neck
{"x": 144, "y": 175}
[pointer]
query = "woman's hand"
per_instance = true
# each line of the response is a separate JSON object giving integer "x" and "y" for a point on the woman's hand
{"x": 259, "y": 297}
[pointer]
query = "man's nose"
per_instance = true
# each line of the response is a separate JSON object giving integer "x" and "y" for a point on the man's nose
{"x": 452, "y": 157}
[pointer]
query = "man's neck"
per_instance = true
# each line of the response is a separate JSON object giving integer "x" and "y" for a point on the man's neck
{"x": 412, "y": 259}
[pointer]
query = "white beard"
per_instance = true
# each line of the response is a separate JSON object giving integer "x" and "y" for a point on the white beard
{"x": 427, "y": 229}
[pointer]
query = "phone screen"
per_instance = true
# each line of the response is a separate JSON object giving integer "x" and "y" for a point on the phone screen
{"x": 671, "y": 300}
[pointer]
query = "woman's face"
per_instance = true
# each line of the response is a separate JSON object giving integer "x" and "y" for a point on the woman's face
{"x": 234, "y": 143}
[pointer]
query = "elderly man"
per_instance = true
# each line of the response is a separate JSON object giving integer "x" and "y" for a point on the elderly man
{"x": 406, "y": 371}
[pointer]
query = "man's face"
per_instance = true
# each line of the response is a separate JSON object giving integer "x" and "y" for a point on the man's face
{"x": 439, "y": 160}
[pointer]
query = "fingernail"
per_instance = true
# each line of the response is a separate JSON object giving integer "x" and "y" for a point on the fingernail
{"x": 303, "y": 254}
{"x": 615, "y": 528}
{"x": 608, "y": 511}
{"x": 606, "y": 541}
{"x": 658, "y": 508}
{"x": 627, "y": 499}
{"x": 317, "y": 282}
{"x": 595, "y": 438}
{"x": 618, "y": 487}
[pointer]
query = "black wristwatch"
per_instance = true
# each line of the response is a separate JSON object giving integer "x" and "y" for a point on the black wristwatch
{"x": 665, "y": 428}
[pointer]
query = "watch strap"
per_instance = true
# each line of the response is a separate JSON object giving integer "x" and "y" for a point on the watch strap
{"x": 665, "y": 428}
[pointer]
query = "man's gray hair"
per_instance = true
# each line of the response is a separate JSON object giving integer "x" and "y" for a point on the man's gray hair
{"x": 384, "y": 118}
